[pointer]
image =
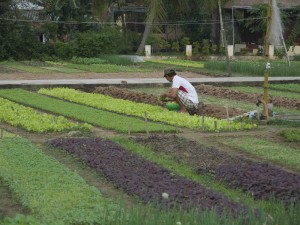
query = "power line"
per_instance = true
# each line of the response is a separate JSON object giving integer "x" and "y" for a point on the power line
{"x": 177, "y": 23}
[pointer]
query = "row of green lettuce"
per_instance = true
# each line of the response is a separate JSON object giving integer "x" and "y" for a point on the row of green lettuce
{"x": 31, "y": 120}
{"x": 154, "y": 113}
{"x": 101, "y": 118}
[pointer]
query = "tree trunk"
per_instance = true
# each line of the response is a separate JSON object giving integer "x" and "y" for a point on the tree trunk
{"x": 215, "y": 28}
{"x": 146, "y": 33}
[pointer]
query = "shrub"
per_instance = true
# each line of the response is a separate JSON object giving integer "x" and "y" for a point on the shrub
{"x": 95, "y": 43}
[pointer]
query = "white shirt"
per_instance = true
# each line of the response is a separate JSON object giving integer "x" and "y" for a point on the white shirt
{"x": 185, "y": 86}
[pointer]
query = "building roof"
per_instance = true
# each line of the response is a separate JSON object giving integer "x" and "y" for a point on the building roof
{"x": 244, "y": 3}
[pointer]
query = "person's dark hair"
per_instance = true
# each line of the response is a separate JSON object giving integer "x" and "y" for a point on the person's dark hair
{"x": 169, "y": 72}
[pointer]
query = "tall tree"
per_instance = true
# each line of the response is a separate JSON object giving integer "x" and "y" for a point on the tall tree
{"x": 212, "y": 7}
{"x": 155, "y": 14}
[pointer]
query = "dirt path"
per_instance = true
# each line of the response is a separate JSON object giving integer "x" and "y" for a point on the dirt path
{"x": 15, "y": 75}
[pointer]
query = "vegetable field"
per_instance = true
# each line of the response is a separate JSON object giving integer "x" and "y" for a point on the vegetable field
{"x": 118, "y": 156}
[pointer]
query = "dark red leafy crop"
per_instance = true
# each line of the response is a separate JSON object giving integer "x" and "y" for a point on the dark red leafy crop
{"x": 262, "y": 180}
{"x": 140, "y": 177}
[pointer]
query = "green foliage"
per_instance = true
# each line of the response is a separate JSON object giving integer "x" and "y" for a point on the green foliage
{"x": 254, "y": 68}
{"x": 280, "y": 53}
{"x": 184, "y": 41}
{"x": 175, "y": 46}
{"x": 196, "y": 47}
{"x": 51, "y": 191}
{"x": 292, "y": 135}
{"x": 157, "y": 43}
{"x": 205, "y": 46}
{"x": 267, "y": 150}
{"x": 90, "y": 115}
{"x": 95, "y": 43}
{"x": 31, "y": 120}
{"x": 154, "y": 113}
{"x": 63, "y": 50}
{"x": 21, "y": 220}
{"x": 87, "y": 61}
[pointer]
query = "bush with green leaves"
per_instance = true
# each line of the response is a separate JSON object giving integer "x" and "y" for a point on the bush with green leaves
{"x": 94, "y": 43}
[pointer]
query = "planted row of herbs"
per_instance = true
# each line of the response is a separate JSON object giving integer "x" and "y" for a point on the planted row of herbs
{"x": 154, "y": 113}
{"x": 49, "y": 190}
{"x": 34, "y": 121}
{"x": 90, "y": 115}
{"x": 262, "y": 180}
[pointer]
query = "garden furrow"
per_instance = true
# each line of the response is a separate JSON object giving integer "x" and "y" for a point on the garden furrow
{"x": 87, "y": 114}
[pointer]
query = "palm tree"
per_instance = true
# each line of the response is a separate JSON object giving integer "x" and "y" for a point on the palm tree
{"x": 155, "y": 13}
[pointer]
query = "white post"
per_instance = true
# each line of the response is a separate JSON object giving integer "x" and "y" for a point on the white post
{"x": 230, "y": 51}
{"x": 271, "y": 51}
{"x": 188, "y": 50}
{"x": 148, "y": 50}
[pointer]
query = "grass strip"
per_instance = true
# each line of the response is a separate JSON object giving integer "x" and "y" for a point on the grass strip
{"x": 179, "y": 62}
{"x": 267, "y": 150}
{"x": 33, "y": 121}
{"x": 286, "y": 87}
{"x": 254, "y": 68}
{"x": 87, "y": 114}
{"x": 154, "y": 113}
{"x": 107, "y": 68}
{"x": 256, "y": 90}
{"x": 48, "y": 189}
{"x": 273, "y": 209}
{"x": 24, "y": 67}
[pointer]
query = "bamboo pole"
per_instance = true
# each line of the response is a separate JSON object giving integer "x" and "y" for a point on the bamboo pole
{"x": 267, "y": 56}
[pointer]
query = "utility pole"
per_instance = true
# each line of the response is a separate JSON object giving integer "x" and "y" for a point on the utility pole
{"x": 224, "y": 40}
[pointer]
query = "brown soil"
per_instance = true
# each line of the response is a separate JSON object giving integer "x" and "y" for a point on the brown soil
{"x": 11, "y": 74}
{"x": 242, "y": 96}
{"x": 205, "y": 109}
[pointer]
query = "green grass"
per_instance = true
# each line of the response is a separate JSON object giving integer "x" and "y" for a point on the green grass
{"x": 291, "y": 135}
{"x": 256, "y": 90}
{"x": 25, "y": 68}
{"x": 267, "y": 150}
{"x": 286, "y": 87}
{"x": 107, "y": 68}
{"x": 254, "y": 68}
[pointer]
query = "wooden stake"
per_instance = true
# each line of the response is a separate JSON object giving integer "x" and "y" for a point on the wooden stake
{"x": 203, "y": 122}
{"x": 227, "y": 116}
{"x": 1, "y": 133}
{"x": 242, "y": 125}
{"x": 216, "y": 125}
{"x": 129, "y": 129}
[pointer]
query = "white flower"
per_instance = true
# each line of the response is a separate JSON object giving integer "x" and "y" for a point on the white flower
{"x": 178, "y": 223}
{"x": 165, "y": 195}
